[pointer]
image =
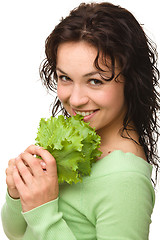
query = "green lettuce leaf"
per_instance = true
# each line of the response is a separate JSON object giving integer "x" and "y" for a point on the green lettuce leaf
{"x": 72, "y": 142}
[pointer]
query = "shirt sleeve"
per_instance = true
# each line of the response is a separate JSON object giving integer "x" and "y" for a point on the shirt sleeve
{"x": 125, "y": 208}
{"x": 47, "y": 223}
{"x": 13, "y": 222}
{"x": 43, "y": 222}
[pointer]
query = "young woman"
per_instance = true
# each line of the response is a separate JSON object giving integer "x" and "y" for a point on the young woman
{"x": 102, "y": 66}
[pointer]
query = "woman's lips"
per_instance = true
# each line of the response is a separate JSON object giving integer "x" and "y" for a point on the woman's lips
{"x": 87, "y": 115}
{"x": 87, "y": 118}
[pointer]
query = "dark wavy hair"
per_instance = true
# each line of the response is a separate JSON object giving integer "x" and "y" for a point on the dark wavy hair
{"x": 116, "y": 33}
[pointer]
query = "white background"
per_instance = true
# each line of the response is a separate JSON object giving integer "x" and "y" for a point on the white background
{"x": 24, "y": 26}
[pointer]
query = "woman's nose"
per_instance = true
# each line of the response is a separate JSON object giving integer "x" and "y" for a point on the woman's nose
{"x": 78, "y": 97}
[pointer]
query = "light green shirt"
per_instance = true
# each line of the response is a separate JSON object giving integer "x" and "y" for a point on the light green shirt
{"x": 114, "y": 203}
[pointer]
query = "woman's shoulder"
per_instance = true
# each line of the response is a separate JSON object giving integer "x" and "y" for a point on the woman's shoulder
{"x": 125, "y": 158}
{"x": 127, "y": 145}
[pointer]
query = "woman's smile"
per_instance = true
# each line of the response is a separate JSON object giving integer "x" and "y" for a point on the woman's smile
{"x": 87, "y": 115}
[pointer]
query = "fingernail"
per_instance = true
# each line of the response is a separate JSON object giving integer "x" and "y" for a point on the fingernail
{"x": 17, "y": 158}
{"x": 43, "y": 164}
{"x": 38, "y": 147}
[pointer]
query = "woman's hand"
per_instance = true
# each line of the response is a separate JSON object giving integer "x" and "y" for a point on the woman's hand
{"x": 12, "y": 190}
{"x": 35, "y": 186}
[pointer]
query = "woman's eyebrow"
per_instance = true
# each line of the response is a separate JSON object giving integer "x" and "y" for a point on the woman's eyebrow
{"x": 91, "y": 74}
{"x": 61, "y": 71}
{"x": 85, "y": 75}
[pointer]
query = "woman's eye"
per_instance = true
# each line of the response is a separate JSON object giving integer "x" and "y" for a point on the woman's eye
{"x": 95, "y": 82}
{"x": 64, "y": 78}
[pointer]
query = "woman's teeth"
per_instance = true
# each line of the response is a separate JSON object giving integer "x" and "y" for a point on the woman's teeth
{"x": 84, "y": 113}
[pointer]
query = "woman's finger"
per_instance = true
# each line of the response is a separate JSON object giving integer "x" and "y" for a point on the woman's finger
{"x": 33, "y": 163}
{"x": 20, "y": 185}
{"x": 51, "y": 167}
{"x": 23, "y": 170}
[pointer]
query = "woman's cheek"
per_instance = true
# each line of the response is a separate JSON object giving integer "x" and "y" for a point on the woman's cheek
{"x": 61, "y": 93}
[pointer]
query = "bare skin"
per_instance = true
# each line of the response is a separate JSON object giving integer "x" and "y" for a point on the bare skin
{"x": 32, "y": 184}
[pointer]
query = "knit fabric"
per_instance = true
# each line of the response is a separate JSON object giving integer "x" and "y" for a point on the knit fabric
{"x": 114, "y": 203}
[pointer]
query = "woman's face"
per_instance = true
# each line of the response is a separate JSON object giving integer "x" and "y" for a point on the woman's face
{"x": 82, "y": 90}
